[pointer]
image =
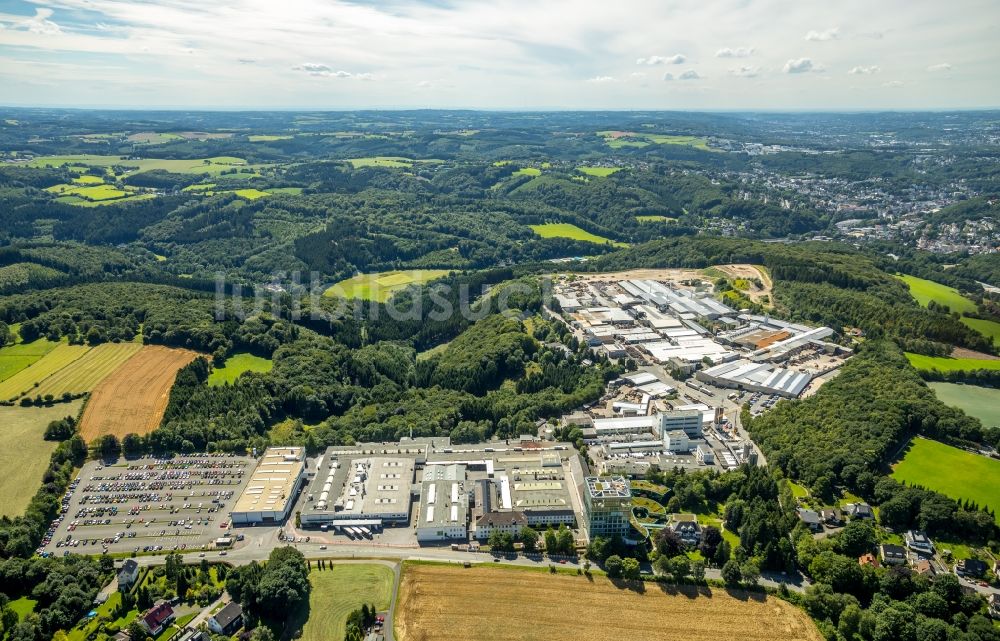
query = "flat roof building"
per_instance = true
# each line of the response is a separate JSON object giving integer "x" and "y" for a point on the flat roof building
{"x": 268, "y": 496}
{"x": 608, "y": 505}
{"x": 444, "y": 505}
{"x": 375, "y": 489}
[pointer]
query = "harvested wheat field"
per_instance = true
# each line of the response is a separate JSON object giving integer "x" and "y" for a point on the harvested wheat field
{"x": 86, "y": 372}
{"x": 132, "y": 399}
{"x": 445, "y": 603}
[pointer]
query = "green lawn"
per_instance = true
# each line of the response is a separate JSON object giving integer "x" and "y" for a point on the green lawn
{"x": 798, "y": 491}
{"x": 388, "y": 161}
{"x": 23, "y": 606}
{"x": 947, "y": 364}
{"x": 654, "y": 219}
{"x": 15, "y": 358}
{"x": 528, "y": 171}
{"x": 338, "y": 591}
{"x": 236, "y": 365}
{"x": 250, "y": 194}
{"x": 381, "y": 286}
{"x": 987, "y": 328}
{"x": 951, "y": 471}
{"x": 600, "y": 172}
{"x": 925, "y": 291}
{"x": 568, "y": 230}
{"x": 981, "y": 402}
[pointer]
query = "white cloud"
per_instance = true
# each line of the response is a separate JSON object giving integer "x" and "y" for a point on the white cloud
{"x": 745, "y": 71}
{"x": 325, "y": 71}
{"x": 690, "y": 74}
{"x": 944, "y": 66}
{"x": 864, "y": 71}
{"x": 638, "y": 75}
{"x": 800, "y": 65}
{"x": 601, "y": 79}
{"x": 738, "y": 52}
{"x": 893, "y": 84}
{"x": 821, "y": 36}
{"x": 676, "y": 59}
{"x": 40, "y": 23}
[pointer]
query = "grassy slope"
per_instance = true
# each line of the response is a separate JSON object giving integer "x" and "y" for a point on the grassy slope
{"x": 981, "y": 402}
{"x": 15, "y": 358}
{"x": 236, "y": 365}
{"x": 24, "y": 454}
{"x": 49, "y": 364}
{"x": 567, "y": 230}
{"x": 925, "y": 291}
{"x": 383, "y": 285}
{"x": 945, "y": 364}
{"x": 337, "y": 592}
{"x": 951, "y": 471}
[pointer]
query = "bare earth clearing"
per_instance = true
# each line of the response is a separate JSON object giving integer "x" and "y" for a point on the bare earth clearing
{"x": 445, "y": 603}
{"x": 132, "y": 399}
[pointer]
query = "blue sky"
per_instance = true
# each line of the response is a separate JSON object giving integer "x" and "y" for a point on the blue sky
{"x": 506, "y": 54}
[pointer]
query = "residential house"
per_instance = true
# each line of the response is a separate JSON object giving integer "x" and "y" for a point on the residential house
{"x": 811, "y": 519}
{"x": 924, "y": 567}
{"x": 892, "y": 554}
{"x": 995, "y": 606}
{"x": 227, "y": 620}
{"x": 861, "y": 511}
{"x": 127, "y": 575}
{"x": 971, "y": 567}
{"x": 868, "y": 559}
{"x": 157, "y": 618}
{"x": 191, "y": 634}
{"x": 918, "y": 542}
{"x": 686, "y": 527}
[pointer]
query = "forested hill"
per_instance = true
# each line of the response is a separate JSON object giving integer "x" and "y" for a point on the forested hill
{"x": 823, "y": 283}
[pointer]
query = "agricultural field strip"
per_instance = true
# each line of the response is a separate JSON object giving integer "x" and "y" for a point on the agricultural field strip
{"x": 88, "y": 371}
{"x": 24, "y": 381}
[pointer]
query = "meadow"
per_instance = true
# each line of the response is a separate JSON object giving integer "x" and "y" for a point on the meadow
{"x": 568, "y": 230}
{"x": 213, "y": 165}
{"x": 388, "y": 161}
{"x": 381, "y": 286}
{"x": 15, "y": 358}
{"x": 268, "y": 138}
{"x": 620, "y": 139}
{"x": 527, "y": 605}
{"x": 236, "y": 365}
{"x": 953, "y": 472}
{"x": 947, "y": 364}
{"x": 925, "y": 291}
{"x": 528, "y": 171}
{"x": 600, "y": 172}
{"x": 654, "y": 219}
{"x": 24, "y": 454}
{"x": 985, "y": 327}
{"x": 981, "y": 402}
{"x": 24, "y": 381}
{"x": 338, "y": 591}
{"x": 86, "y": 372}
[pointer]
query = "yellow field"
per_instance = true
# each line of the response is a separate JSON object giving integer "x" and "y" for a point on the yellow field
{"x": 382, "y": 286}
{"x": 515, "y": 605}
{"x": 24, "y": 381}
{"x": 83, "y": 374}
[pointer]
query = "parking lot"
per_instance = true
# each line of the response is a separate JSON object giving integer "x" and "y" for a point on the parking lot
{"x": 148, "y": 504}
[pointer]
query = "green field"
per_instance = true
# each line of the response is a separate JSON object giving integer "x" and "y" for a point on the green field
{"x": 567, "y": 230}
{"x": 925, "y": 291}
{"x": 951, "y": 471}
{"x": 236, "y": 365}
{"x": 947, "y": 364}
{"x": 82, "y": 202}
{"x": 199, "y": 187}
{"x": 213, "y": 165}
{"x": 619, "y": 139}
{"x": 981, "y": 402}
{"x": 339, "y": 591}
{"x": 152, "y": 138}
{"x": 15, "y": 358}
{"x": 294, "y": 191}
{"x": 86, "y": 372}
{"x": 987, "y": 328}
{"x": 600, "y": 172}
{"x": 23, "y": 606}
{"x": 528, "y": 171}
{"x": 382, "y": 286}
{"x": 267, "y": 138}
{"x": 25, "y": 380}
{"x": 654, "y": 219}
{"x": 87, "y": 179}
{"x": 388, "y": 161}
{"x": 250, "y": 194}
{"x": 24, "y": 454}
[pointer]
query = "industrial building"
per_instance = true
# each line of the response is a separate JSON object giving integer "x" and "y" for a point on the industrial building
{"x": 688, "y": 421}
{"x": 271, "y": 490}
{"x": 756, "y": 377}
{"x": 359, "y": 491}
{"x": 444, "y": 504}
{"x": 608, "y": 505}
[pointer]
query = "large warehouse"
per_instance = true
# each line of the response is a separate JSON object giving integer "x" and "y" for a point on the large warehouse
{"x": 756, "y": 377}
{"x": 270, "y": 493}
{"x": 359, "y": 490}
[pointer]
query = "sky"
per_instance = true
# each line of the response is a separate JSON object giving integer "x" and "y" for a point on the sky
{"x": 502, "y": 54}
